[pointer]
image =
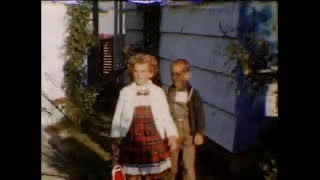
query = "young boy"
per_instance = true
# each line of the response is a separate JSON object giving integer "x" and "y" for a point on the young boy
{"x": 143, "y": 120}
{"x": 187, "y": 111}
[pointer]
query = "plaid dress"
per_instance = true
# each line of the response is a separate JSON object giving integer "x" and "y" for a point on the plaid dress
{"x": 142, "y": 151}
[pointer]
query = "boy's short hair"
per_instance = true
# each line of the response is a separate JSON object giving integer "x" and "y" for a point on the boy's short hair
{"x": 182, "y": 62}
{"x": 142, "y": 58}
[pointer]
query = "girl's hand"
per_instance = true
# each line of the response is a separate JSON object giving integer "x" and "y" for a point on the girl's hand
{"x": 172, "y": 143}
{"x": 115, "y": 149}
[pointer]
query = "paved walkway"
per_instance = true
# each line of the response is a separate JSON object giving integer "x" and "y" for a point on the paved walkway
{"x": 216, "y": 163}
{"x": 47, "y": 171}
{"x": 213, "y": 161}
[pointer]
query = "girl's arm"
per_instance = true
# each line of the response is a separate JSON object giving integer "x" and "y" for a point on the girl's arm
{"x": 115, "y": 128}
{"x": 115, "y": 149}
{"x": 169, "y": 125}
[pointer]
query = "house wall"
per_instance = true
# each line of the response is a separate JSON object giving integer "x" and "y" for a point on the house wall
{"x": 200, "y": 34}
{"x": 194, "y": 33}
{"x": 106, "y": 17}
{"x": 134, "y": 26}
{"x": 54, "y": 24}
{"x": 53, "y": 34}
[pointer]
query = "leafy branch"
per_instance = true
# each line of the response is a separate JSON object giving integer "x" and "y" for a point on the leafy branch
{"x": 79, "y": 98}
{"x": 257, "y": 62}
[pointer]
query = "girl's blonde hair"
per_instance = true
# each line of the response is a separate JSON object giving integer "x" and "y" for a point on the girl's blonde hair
{"x": 142, "y": 58}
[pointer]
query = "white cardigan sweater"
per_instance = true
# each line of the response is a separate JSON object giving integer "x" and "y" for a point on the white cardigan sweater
{"x": 159, "y": 106}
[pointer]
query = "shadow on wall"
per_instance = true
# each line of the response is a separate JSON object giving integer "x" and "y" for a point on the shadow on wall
{"x": 258, "y": 18}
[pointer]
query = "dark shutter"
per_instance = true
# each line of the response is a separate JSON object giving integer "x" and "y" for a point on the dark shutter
{"x": 106, "y": 55}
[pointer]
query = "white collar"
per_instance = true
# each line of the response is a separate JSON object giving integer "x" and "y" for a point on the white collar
{"x": 147, "y": 86}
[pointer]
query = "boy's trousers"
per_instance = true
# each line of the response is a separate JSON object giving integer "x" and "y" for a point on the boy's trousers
{"x": 183, "y": 158}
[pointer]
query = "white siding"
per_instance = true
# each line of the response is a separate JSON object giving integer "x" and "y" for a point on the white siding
{"x": 54, "y": 22}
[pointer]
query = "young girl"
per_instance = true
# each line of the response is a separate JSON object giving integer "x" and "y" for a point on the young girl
{"x": 143, "y": 122}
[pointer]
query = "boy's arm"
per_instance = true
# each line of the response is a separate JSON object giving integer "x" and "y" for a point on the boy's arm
{"x": 199, "y": 111}
{"x": 200, "y": 119}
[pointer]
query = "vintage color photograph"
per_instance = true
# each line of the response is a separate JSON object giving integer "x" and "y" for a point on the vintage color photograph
{"x": 159, "y": 90}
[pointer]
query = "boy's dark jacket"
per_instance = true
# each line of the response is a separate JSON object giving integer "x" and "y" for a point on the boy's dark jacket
{"x": 195, "y": 107}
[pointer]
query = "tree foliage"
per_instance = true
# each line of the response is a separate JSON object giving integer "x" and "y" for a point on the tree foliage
{"x": 79, "y": 97}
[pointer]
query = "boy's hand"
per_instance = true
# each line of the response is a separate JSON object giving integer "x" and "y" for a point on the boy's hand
{"x": 198, "y": 139}
{"x": 172, "y": 143}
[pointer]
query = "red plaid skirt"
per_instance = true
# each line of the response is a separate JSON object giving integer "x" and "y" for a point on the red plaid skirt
{"x": 143, "y": 144}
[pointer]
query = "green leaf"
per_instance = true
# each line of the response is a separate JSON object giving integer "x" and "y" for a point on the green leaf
{"x": 275, "y": 170}
{"x": 265, "y": 167}
{"x": 267, "y": 178}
